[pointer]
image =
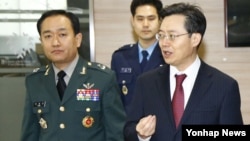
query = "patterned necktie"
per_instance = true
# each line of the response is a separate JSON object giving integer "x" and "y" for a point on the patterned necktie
{"x": 144, "y": 59}
{"x": 178, "y": 99}
{"x": 61, "y": 85}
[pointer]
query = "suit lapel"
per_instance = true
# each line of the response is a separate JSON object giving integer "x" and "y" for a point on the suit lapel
{"x": 133, "y": 59}
{"x": 163, "y": 83}
{"x": 50, "y": 84}
{"x": 199, "y": 90}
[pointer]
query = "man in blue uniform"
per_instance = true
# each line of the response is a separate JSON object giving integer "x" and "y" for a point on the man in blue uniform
{"x": 86, "y": 106}
{"x": 127, "y": 61}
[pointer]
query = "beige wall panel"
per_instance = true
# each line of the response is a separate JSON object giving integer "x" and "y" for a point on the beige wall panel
{"x": 113, "y": 29}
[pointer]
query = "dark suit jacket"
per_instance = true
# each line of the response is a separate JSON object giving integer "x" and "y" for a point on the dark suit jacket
{"x": 66, "y": 119}
{"x": 215, "y": 99}
{"x": 125, "y": 62}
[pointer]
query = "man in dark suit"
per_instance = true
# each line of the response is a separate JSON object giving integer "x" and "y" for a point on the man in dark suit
{"x": 208, "y": 96}
{"x": 127, "y": 59}
{"x": 89, "y": 107}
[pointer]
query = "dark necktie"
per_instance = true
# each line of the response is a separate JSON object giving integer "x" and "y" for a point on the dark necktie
{"x": 144, "y": 59}
{"x": 61, "y": 85}
{"x": 178, "y": 99}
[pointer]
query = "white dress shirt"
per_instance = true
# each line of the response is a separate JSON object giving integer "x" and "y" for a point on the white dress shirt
{"x": 187, "y": 84}
{"x": 68, "y": 70}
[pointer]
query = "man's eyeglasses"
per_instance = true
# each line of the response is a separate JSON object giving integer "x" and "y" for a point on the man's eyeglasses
{"x": 171, "y": 37}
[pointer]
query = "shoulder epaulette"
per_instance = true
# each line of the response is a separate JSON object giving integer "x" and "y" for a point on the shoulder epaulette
{"x": 98, "y": 66}
{"x": 125, "y": 47}
{"x": 39, "y": 70}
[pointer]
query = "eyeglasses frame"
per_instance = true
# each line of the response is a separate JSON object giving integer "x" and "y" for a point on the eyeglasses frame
{"x": 170, "y": 37}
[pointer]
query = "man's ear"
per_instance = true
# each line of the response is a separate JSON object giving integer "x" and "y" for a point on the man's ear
{"x": 132, "y": 21}
{"x": 78, "y": 39}
{"x": 40, "y": 39}
{"x": 196, "y": 39}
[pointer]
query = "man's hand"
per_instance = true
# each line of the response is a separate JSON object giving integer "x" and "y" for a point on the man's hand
{"x": 146, "y": 126}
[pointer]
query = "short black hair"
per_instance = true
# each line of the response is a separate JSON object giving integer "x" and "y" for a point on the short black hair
{"x": 136, "y": 3}
{"x": 195, "y": 19}
{"x": 72, "y": 17}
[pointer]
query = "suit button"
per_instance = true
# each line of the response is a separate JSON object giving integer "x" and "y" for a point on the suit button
{"x": 88, "y": 109}
{"x": 62, "y": 126}
{"x": 62, "y": 109}
{"x": 39, "y": 111}
{"x": 123, "y": 81}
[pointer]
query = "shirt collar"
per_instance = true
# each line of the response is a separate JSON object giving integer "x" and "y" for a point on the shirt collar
{"x": 69, "y": 69}
{"x": 192, "y": 70}
{"x": 149, "y": 49}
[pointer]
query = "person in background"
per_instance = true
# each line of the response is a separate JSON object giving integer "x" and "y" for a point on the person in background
{"x": 127, "y": 61}
{"x": 205, "y": 96}
{"x": 81, "y": 105}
